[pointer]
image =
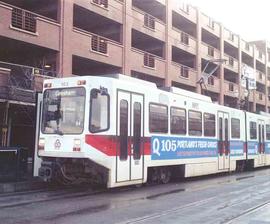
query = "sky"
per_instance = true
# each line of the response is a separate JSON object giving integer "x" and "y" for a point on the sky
{"x": 248, "y": 18}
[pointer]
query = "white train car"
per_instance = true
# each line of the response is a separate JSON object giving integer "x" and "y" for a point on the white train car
{"x": 258, "y": 139}
{"x": 123, "y": 131}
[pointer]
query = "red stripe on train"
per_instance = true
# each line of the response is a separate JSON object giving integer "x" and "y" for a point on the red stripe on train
{"x": 108, "y": 144}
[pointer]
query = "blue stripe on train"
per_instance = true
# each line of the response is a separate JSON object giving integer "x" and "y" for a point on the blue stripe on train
{"x": 163, "y": 148}
{"x": 236, "y": 148}
{"x": 252, "y": 148}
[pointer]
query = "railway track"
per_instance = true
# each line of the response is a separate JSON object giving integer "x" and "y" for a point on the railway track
{"x": 13, "y": 200}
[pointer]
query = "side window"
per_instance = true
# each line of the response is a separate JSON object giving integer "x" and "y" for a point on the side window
{"x": 235, "y": 128}
{"x": 137, "y": 130}
{"x": 209, "y": 125}
{"x": 253, "y": 130}
{"x": 178, "y": 121}
{"x": 123, "y": 130}
{"x": 194, "y": 123}
{"x": 99, "y": 111}
{"x": 158, "y": 118}
{"x": 267, "y": 132}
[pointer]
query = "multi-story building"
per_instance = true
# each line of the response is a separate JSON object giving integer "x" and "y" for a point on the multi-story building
{"x": 153, "y": 40}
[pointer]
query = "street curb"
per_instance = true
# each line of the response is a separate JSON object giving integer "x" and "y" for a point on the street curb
{"x": 33, "y": 184}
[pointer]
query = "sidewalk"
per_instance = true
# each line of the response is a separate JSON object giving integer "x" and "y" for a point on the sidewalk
{"x": 23, "y": 185}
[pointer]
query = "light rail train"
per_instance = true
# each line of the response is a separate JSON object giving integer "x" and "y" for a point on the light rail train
{"x": 120, "y": 131}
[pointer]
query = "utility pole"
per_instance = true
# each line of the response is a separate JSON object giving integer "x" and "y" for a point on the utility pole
{"x": 247, "y": 96}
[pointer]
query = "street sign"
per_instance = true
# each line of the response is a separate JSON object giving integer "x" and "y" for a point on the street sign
{"x": 248, "y": 75}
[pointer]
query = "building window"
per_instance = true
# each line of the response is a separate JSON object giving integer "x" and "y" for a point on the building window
{"x": 211, "y": 81}
{"x": 209, "y": 125}
{"x": 195, "y": 123}
{"x": 23, "y": 20}
{"x": 210, "y": 51}
{"x": 260, "y": 75}
{"x": 158, "y": 118}
{"x": 260, "y": 96}
{"x": 99, "y": 44}
{"x": 231, "y": 61}
{"x": 253, "y": 130}
{"x": 184, "y": 38}
{"x": 102, "y": 3}
{"x": 149, "y": 21}
{"x": 149, "y": 60}
{"x": 231, "y": 87}
{"x": 260, "y": 54}
{"x": 184, "y": 72}
{"x": 235, "y": 124}
{"x": 178, "y": 121}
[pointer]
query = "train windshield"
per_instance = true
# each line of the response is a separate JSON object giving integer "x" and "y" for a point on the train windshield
{"x": 63, "y": 111}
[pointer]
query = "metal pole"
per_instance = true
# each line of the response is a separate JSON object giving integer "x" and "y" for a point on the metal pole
{"x": 247, "y": 97}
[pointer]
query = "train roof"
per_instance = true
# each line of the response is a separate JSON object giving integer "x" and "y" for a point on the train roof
{"x": 174, "y": 90}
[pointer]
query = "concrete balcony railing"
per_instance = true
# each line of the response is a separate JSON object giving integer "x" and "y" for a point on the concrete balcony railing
{"x": 183, "y": 74}
{"x": 231, "y": 89}
{"x": 163, "y": 2}
{"x": 113, "y": 9}
{"x": 187, "y": 11}
{"x": 33, "y": 28}
{"x": 97, "y": 48}
{"x": 231, "y": 63}
{"x": 260, "y": 77}
{"x": 247, "y": 48}
{"x": 183, "y": 41}
{"x": 209, "y": 52}
{"x": 260, "y": 98}
{"x": 148, "y": 24}
{"x": 230, "y": 37}
{"x": 210, "y": 25}
{"x": 260, "y": 56}
{"x": 147, "y": 63}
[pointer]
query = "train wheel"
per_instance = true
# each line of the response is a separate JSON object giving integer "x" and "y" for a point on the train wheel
{"x": 164, "y": 175}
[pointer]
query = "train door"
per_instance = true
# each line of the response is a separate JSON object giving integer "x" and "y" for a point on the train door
{"x": 223, "y": 141}
{"x": 129, "y": 162}
{"x": 261, "y": 145}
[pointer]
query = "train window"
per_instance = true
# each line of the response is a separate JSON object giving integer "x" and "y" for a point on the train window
{"x": 220, "y": 130}
{"x": 178, "y": 121}
{"x": 195, "y": 123}
{"x": 158, "y": 118}
{"x": 226, "y": 130}
{"x": 99, "y": 111}
{"x": 253, "y": 130}
{"x": 267, "y": 132}
{"x": 235, "y": 128}
{"x": 209, "y": 125}
{"x": 137, "y": 130}
{"x": 123, "y": 130}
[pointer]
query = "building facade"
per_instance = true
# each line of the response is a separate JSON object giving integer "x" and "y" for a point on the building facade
{"x": 154, "y": 40}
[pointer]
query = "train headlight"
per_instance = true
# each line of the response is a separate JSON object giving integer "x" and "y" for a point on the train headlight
{"x": 77, "y": 145}
{"x": 41, "y": 144}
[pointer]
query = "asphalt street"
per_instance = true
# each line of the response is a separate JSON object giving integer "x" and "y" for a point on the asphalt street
{"x": 236, "y": 198}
